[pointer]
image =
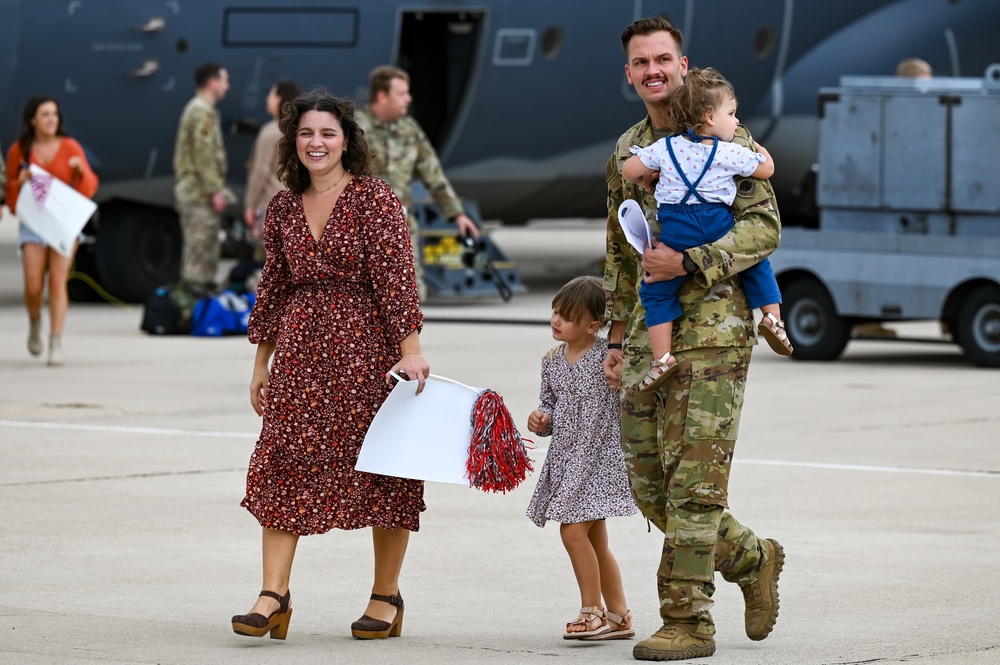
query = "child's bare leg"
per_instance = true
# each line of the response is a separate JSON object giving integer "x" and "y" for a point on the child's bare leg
{"x": 611, "y": 577}
{"x": 660, "y": 338}
{"x": 585, "y": 566}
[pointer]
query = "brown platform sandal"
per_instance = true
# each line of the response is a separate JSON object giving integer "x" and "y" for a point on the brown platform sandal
{"x": 659, "y": 372}
{"x": 774, "y": 334}
{"x": 255, "y": 625}
{"x": 592, "y": 618}
{"x": 368, "y": 628}
{"x": 623, "y": 630}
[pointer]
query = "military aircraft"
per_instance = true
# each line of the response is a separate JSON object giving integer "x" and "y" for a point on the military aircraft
{"x": 523, "y": 99}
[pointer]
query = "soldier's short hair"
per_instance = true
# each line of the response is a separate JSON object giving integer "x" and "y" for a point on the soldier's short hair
{"x": 704, "y": 91}
{"x": 581, "y": 295}
{"x": 380, "y": 80}
{"x": 914, "y": 68}
{"x": 647, "y": 26}
{"x": 206, "y": 73}
{"x": 357, "y": 158}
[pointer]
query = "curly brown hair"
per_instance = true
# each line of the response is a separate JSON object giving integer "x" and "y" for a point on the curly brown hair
{"x": 357, "y": 157}
{"x": 704, "y": 90}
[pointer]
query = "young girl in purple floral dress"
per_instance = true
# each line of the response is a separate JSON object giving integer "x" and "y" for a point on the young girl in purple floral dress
{"x": 583, "y": 480}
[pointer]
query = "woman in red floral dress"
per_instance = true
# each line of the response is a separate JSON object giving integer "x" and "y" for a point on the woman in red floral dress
{"x": 336, "y": 310}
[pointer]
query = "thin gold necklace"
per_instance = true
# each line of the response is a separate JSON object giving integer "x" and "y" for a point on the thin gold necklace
{"x": 323, "y": 191}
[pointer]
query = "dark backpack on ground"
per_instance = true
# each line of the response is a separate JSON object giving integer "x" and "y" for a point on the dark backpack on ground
{"x": 169, "y": 311}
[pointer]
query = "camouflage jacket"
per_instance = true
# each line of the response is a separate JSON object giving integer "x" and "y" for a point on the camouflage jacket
{"x": 199, "y": 156}
{"x": 715, "y": 311}
{"x": 403, "y": 152}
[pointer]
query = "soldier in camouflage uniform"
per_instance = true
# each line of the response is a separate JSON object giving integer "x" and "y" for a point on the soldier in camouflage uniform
{"x": 403, "y": 152}
{"x": 200, "y": 190}
{"x": 679, "y": 440}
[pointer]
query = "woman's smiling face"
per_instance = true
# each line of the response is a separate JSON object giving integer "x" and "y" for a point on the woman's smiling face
{"x": 319, "y": 142}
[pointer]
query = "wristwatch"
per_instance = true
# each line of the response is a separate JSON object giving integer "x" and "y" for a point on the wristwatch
{"x": 689, "y": 266}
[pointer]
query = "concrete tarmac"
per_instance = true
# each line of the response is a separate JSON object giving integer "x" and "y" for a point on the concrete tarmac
{"x": 122, "y": 539}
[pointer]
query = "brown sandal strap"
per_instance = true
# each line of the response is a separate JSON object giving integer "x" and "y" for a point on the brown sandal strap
{"x": 282, "y": 600}
{"x": 396, "y": 600}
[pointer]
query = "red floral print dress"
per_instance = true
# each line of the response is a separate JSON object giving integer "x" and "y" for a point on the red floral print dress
{"x": 336, "y": 310}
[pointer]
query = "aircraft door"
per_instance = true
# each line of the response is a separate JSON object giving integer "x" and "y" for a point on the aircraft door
{"x": 440, "y": 51}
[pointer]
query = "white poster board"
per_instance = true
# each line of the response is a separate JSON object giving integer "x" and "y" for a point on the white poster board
{"x": 57, "y": 212}
{"x": 634, "y": 225}
{"x": 425, "y": 436}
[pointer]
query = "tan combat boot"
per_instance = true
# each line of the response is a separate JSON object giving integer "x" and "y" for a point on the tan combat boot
{"x": 673, "y": 643}
{"x": 761, "y": 596}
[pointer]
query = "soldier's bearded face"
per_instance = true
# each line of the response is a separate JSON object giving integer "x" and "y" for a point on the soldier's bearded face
{"x": 655, "y": 67}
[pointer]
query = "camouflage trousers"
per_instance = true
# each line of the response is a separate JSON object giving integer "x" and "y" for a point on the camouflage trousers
{"x": 200, "y": 226}
{"x": 678, "y": 445}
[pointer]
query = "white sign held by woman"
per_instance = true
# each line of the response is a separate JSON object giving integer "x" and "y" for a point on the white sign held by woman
{"x": 425, "y": 436}
{"x": 53, "y": 210}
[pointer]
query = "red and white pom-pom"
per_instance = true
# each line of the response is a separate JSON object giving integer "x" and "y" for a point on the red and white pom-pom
{"x": 498, "y": 458}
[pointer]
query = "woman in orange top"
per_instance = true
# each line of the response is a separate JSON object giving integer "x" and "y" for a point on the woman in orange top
{"x": 42, "y": 141}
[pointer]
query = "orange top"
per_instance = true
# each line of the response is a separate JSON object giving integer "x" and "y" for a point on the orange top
{"x": 59, "y": 167}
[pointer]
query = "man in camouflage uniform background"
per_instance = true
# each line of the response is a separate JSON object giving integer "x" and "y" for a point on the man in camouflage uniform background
{"x": 679, "y": 440}
{"x": 403, "y": 152}
{"x": 200, "y": 191}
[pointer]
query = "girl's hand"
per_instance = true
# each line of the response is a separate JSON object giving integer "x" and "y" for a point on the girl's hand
{"x": 76, "y": 164}
{"x": 23, "y": 176}
{"x": 258, "y": 389}
{"x": 539, "y": 422}
{"x": 412, "y": 366}
{"x": 613, "y": 365}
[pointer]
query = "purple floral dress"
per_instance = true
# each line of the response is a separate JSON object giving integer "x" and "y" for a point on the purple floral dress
{"x": 336, "y": 310}
{"x": 583, "y": 477}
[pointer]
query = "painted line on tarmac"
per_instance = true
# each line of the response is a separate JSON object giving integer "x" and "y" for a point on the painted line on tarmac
{"x": 740, "y": 460}
{"x": 129, "y": 430}
{"x": 127, "y": 476}
{"x": 865, "y": 467}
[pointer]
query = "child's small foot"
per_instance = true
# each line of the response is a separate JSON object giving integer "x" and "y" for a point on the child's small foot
{"x": 590, "y": 622}
{"x": 774, "y": 334}
{"x": 659, "y": 372}
{"x": 618, "y": 628}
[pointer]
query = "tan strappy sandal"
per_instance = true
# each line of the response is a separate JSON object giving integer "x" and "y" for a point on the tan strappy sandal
{"x": 618, "y": 628}
{"x": 774, "y": 334}
{"x": 659, "y": 371}
{"x": 592, "y": 618}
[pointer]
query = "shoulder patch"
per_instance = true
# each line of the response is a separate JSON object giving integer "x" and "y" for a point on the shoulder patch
{"x": 747, "y": 188}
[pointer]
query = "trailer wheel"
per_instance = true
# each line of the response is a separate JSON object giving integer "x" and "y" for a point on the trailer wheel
{"x": 979, "y": 326}
{"x": 138, "y": 249}
{"x": 814, "y": 328}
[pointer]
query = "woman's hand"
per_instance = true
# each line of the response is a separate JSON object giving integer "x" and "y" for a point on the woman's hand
{"x": 412, "y": 366}
{"x": 76, "y": 164}
{"x": 258, "y": 388}
{"x": 539, "y": 422}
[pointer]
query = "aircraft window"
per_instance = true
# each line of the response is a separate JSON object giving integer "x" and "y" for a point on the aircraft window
{"x": 552, "y": 42}
{"x": 290, "y": 27}
{"x": 763, "y": 42}
{"x": 182, "y": 45}
{"x": 514, "y": 46}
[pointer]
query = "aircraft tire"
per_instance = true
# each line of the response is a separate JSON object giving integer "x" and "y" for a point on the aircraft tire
{"x": 138, "y": 249}
{"x": 814, "y": 328}
{"x": 979, "y": 326}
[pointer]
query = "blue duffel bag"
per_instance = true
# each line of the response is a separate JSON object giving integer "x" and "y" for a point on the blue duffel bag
{"x": 223, "y": 313}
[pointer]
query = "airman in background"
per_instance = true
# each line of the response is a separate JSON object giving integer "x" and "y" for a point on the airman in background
{"x": 404, "y": 153}
{"x": 200, "y": 190}
{"x": 914, "y": 68}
